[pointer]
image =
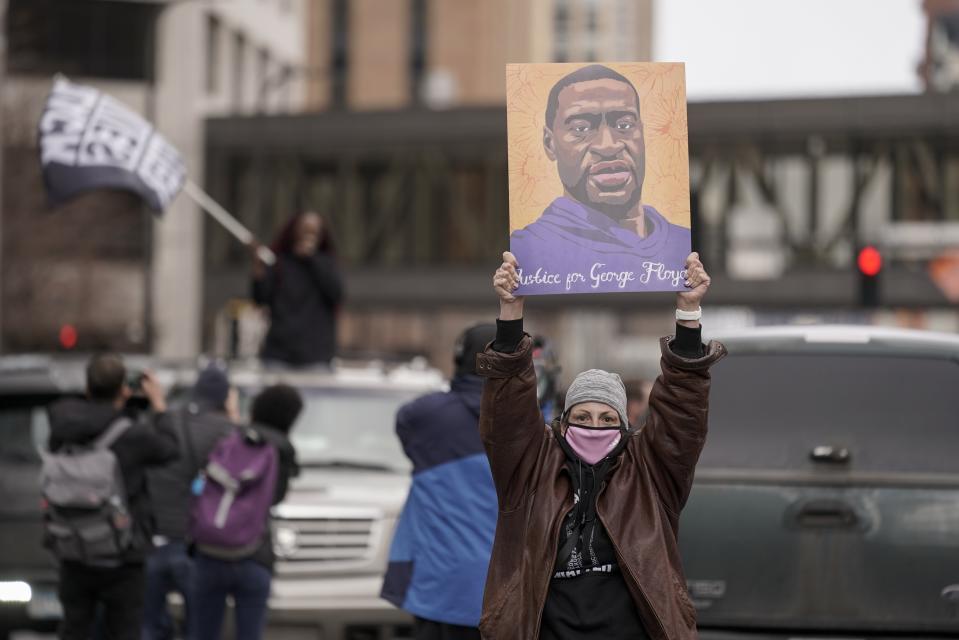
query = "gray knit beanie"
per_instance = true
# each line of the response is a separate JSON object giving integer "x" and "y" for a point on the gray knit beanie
{"x": 596, "y": 385}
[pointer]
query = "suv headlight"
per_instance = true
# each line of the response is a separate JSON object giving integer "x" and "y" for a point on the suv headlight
{"x": 15, "y": 592}
{"x": 285, "y": 542}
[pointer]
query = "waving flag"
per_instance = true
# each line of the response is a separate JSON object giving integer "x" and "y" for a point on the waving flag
{"x": 88, "y": 140}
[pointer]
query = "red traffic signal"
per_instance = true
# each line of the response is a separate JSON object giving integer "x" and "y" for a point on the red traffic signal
{"x": 869, "y": 261}
{"x": 68, "y": 336}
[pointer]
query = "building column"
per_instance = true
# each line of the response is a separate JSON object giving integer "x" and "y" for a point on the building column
{"x": 3, "y": 77}
{"x": 177, "y": 110}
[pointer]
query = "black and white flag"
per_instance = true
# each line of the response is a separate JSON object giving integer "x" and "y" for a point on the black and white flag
{"x": 88, "y": 140}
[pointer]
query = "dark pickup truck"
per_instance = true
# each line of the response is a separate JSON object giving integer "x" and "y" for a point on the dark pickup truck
{"x": 28, "y": 575}
{"x": 826, "y": 501}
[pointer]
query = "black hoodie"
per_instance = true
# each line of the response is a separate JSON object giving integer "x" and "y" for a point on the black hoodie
{"x": 303, "y": 295}
{"x": 75, "y": 421}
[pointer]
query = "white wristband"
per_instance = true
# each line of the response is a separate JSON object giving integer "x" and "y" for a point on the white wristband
{"x": 689, "y": 315}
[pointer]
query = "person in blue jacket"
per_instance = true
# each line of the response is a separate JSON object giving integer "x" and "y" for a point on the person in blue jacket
{"x": 442, "y": 545}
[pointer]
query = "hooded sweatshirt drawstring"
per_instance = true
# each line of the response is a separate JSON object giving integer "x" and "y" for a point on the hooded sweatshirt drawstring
{"x": 586, "y": 489}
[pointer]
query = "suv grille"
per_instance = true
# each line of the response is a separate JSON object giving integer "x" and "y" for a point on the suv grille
{"x": 323, "y": 539}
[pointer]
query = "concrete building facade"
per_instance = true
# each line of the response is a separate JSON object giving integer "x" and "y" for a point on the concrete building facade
{"x": 241, "y": 57}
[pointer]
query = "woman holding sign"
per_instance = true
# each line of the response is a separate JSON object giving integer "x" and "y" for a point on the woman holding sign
{"x": 586, "y": 540}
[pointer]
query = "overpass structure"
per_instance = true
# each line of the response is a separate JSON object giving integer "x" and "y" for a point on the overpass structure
{"x": 783, "y": 193}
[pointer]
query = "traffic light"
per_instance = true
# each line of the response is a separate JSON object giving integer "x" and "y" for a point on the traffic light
{"x": 68, "y": 337}
{"x": 869, "y": 263}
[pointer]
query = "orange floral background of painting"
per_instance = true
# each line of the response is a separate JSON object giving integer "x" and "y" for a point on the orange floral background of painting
{"x": 533, "y": 180}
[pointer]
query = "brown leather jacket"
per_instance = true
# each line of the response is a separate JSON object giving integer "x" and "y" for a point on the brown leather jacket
{"x": 645, "y": 491}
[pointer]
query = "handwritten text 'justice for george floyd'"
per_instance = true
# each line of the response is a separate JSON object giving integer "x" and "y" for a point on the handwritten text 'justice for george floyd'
{"x": 598, "y": 276}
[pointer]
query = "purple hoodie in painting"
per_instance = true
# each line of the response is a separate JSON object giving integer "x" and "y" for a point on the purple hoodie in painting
{"x": 574, "y": 249}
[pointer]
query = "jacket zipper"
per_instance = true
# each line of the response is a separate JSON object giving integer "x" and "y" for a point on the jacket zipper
{"x": 619, "y": 558}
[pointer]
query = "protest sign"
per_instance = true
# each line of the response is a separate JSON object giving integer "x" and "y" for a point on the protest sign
{"x": 598, "y": 176}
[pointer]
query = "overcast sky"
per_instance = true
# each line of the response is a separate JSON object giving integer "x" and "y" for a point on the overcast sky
{"x": 777, "y": 48}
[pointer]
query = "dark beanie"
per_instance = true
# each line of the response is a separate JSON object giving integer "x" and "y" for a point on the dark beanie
{"x": 470, "y": 343}
{"x": 277, "y": 406}
{"x": 211, "y": 388}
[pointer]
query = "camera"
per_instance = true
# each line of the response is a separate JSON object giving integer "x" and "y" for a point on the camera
{"x": 134, "y": 380}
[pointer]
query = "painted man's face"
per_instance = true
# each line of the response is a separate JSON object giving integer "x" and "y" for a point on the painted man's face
{"x": 597, "y": 142}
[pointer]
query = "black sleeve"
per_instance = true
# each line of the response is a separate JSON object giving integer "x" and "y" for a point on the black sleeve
{"x": 688, "y": 342}
{"x": 164, "y": 445}
{"x": 327, "y": 277}
{"x": 150, "y": 442}
{"x": 55, "y": 439}
{"x": 263, "y": 288}
{"x": 508, "y": 335}
{"x": 289, "y": 468}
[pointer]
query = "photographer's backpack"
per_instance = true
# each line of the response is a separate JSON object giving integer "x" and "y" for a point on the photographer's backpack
{"x": 86, "y": 516}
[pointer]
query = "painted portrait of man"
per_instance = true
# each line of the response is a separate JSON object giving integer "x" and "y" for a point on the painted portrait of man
{"x": 593, "y": 134}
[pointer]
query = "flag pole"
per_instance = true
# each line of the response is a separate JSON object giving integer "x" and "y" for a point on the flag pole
{"x": 231, "y": 224}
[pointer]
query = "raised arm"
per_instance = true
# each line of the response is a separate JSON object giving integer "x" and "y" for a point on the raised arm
{"x": 675, "y": 429}
{"x": 511, "y": 424}
{"x": 264, "y": 277}
{"x": 159, "y": 444}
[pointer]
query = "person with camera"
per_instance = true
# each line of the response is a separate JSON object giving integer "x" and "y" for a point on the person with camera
{"x": 101, "y": 546}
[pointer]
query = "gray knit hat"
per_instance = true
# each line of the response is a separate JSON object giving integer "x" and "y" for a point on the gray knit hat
{"x": 596, "y": 385}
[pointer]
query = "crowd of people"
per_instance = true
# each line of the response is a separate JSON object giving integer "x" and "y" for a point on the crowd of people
{"x": 559, "y": 513}
{"x": 169, "y": 461}
{"x": 171, "y": 514}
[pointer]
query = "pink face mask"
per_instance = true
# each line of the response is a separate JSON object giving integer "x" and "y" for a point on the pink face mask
{"x": 592, "y": 445}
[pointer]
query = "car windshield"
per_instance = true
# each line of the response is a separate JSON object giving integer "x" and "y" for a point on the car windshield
{"x": 350, "y": 428}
